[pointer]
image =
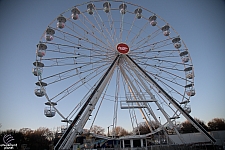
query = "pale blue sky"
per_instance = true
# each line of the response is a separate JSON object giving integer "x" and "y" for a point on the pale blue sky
{"x": 200, "y": 23}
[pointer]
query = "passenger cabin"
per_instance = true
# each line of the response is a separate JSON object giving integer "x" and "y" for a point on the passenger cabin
{"x": 90, "y": 8}
{"x": 123, "y": 8}
{"x": 37, "y": 71}
{"x": 152, "y": 20}
{"x": 49, "y": 34}
{"x": 176, "y": 42}
{"x": 166, "y": 30}
{"x": 75, "y": 13}
{"x": 187, "y": 109}
{"x": 41, "y": 50}
{"x": 106, "y": 7}
{"x": 138, "y": 12}
{"x": 39, "y": 92}
{"x": 61, "y": 22}
{"x": 49, "y": 111}
{"x": 184, "y": 56}
{"x": 190, "y": 91}
{"x": 189, "y": 72}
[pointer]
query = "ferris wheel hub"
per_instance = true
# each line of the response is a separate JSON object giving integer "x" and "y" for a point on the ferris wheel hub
{"x": 122, "y": 48}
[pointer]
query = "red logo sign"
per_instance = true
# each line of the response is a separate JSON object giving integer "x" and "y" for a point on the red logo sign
{"x": 122, "y": 48}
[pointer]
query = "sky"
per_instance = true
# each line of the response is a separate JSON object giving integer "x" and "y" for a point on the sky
{"x": 200, "y": 23}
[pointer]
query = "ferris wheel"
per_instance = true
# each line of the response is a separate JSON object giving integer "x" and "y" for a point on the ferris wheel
{"x": 114, "y": 61}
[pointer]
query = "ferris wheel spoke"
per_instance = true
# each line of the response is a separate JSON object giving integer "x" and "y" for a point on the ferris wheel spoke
{"x": 158, "y": 67}
{"x": 86, "y": 39}
{"x": 138, "y": 34}
{"x": 105, "y": 29}
{"x": 62, "y": 76}
{"x": 161, "y": 59}
{"x": 79, "y": 45}
{"x": 112, "y": 26}
{"x": 130, "y": 31}
{"x": 121, "y": 28}
{"x": 146, "y": 39}
{"x": 94, "y": 27}
{"x": 69, "y": 62}
{"x": 72, "y": 88}
{"x": 60, "y": 48}
{"x": 154, "y": 46}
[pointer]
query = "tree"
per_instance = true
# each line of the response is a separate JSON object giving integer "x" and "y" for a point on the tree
{"x": 119, "y": 131}
{"x": 26, "y": 131}
{"x": 216, "y": 124}
{"x": 97, "y": 129}
{"x": 144, "y": 129}
{"x": 187, "y": 127}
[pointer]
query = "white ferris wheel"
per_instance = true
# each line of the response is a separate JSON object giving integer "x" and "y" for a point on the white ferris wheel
{"x": 114, "y": 61}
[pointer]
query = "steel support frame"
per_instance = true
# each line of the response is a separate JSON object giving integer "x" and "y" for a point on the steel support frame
{"x": 156, "y": 102}
{"x": 133, "y": 90}
{"x": 82, "y": 116}
{"x": 174, "y": 103}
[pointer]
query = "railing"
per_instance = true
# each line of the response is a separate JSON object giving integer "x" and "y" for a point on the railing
{"x": 168, "y": 147}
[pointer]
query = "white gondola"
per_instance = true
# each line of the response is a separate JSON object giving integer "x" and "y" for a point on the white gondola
{"x": 41, "y": 53}
{"x": 61, "y": 22}
{"x": 90, "y": 8}
{"x": 152, "y": 20}
{"x": 75, "y": 13}
{"x": 138, "y": 12}
{"x": 39, "y": 92}
{"x": 187, "y": 109}
{"x": 49, "y": 112}
{"x": 176, "y": 42}
{"x": 189, "y": 73}
{"x": 185, "y": 59}
{"x": 177, "y": 45}
{"x": 184, "y": 56}
{"x": 166, "y": 30}
{"x": 190, "y": 92}
{"x": 106, "y": 7}
{"x": 123, "y": 8}
{"x": 37, "y": 71}
{"x": 41, "y": 50}
{"x": 49, "y": 34}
